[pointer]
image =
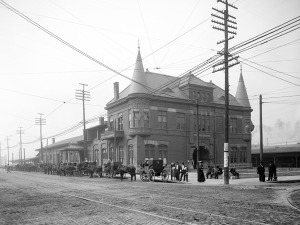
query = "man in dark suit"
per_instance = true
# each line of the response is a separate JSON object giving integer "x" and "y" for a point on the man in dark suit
{"x": 261, "y": 172}
{"x": 177, "y": 170}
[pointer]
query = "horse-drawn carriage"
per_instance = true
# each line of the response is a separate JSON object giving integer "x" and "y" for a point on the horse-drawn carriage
{"x": 155, "y": 168}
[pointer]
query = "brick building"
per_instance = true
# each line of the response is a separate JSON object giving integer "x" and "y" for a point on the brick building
{"x": 155, "y": 118}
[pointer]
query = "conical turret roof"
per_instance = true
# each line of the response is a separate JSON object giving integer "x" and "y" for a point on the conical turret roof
{"x": 241, "y": 93}
{"x": 139, "y": 82}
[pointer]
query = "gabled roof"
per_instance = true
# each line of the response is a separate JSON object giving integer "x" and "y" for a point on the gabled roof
{"x": 168, "y": 86}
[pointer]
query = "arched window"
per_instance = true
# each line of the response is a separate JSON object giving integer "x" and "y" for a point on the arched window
{"x": 130, "y": 155}
{"x": 149, "y": 151}
{"x": 163, "y": 153}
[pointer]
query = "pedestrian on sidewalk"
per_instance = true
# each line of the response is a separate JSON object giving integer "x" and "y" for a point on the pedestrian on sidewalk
{"x": 209, "y": 172}
{"x": 271, "y": 171}
{"x": 183, "y": 172}
{"x": 177, "y": 170}
{"x": 261, "y": 172}
{"x": 201, "y": 177}
{"x": 173, "y": 171}
{"x": 8, "y": 169}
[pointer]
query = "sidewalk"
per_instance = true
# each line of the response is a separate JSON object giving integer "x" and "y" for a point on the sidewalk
{"x": 240, "y": 182}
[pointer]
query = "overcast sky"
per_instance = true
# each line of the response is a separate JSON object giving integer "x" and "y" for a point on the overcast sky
{"x": 39, "y": 74}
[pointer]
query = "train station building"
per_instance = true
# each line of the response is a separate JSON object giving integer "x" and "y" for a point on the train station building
{"x": 155, "y": 118}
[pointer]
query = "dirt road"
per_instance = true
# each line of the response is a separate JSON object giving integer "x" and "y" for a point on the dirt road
{"x": 36, "y": 198}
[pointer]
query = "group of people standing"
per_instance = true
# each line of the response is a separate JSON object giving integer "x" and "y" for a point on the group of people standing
{"x": 272, "y": 176}
{"x": 179, "y": 172}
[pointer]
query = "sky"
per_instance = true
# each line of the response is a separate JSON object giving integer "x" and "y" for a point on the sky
{"x": 39, "y": 74}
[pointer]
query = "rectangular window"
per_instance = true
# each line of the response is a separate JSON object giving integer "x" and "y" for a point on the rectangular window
{"x": 136, "y": 118}
{"x": 180, "y": 121}
{"x": 146, "y": 118}
{"x": 162, "y": 153}
{"x": 243, "y": 155}
{"x": 149, "y": 152}
{"x": 120, "y": 121}
{"x": 233, "y": 155}
{"x": 111, "y": 123}
{"x": 207, "y": 128}
{"x": 130, "y": 154}
{"x": 233, "y": 125}
{"x": 121, "y": 154}
{"x": 162, "y": 119}
{"x": 203, "y": 121}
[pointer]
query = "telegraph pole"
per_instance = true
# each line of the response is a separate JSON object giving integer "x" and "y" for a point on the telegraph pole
{"x": 198, "y": 139}
{"x": 41, "y": 121}
{"x": 7, "y": 139}
{"x": 261, "y": 129}
{"x": 20, "y": 131}
{"x": 0, "y": 155}
{"x": 226, "y": 18}
{"x": 83, "y": 95}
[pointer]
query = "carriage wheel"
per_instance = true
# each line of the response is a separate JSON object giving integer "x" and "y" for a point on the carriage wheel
{"x": 151, "y": 175}
{"x": 143, "y": 176}
{"x": 165, "y": 175}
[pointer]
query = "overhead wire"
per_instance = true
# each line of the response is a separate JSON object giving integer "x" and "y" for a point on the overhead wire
{"x": 195, "y": 69}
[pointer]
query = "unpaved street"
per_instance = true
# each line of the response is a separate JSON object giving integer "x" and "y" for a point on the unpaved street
{"x": 36, "y": 198}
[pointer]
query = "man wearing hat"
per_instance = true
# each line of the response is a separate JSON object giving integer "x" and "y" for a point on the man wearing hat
{"x": 201, "y": 177}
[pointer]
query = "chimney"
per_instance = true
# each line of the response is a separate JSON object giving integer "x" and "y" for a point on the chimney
{"x": 53, "y": 140}
{"x": 116, "y": 91}
{"x": 101, "y": 121}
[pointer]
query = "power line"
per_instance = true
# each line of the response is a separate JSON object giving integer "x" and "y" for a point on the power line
{"x": 272, "y": 75}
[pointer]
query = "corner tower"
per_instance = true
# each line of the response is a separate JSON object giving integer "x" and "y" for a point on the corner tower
{"x": 241, "y": 93}
{"x": 139, "y": 82}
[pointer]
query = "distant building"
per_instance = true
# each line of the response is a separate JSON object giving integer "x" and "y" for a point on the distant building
{"x": 282, "y": 155}
{"x": 72, "y": 149}
{"x": 155, "y": 118}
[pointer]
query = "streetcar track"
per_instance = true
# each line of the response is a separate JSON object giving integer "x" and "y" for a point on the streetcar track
{"x": 155, "y": 204}
{"x": 126, "y": 208}
{"x": 160, "y": 205}
{"x": 208, "y": 198}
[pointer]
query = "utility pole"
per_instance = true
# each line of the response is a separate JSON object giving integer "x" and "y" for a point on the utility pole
{"x": 198, "y": 139}
{"x": 41, "y": 121}
{"x": 83, "y": 95}
{"x": 261, "y": 129}
{"x": 226, "y": 18}
{"x": 7, "y": 139}
{"x": 24, "y": 154}
{"x": 20, "y": 131}
{"x": 0, "y": 155}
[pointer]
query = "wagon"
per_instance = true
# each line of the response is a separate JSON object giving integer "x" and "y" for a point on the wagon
{"x": 155, "y": 169}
